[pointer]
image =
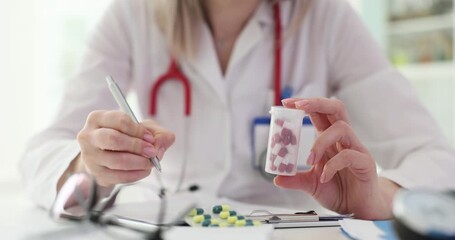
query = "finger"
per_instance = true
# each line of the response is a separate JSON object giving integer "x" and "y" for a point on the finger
{"x": 119, "y": 121}
{"x": 339, "y": 133}
{"x": 110, "y": 139}
{"x": 319, "y": 121}
{"x": 360, "y": 164}
{"x": 334, "y": 108}
{"x": 290, "y": 102}
{"x": 108, "y": 177}
{"x": 124, "y": 161}
{"x": 301, "y": 181}
{"x": 163, "y": 137}
{"x": 164, "y": 141}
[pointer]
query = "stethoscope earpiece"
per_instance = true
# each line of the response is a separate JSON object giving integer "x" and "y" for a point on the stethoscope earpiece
{"x": 424, "y": 214}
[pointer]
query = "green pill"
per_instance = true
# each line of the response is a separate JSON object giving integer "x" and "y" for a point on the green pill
{"x": 226, "y": 214}
{"x": 206, "y": 223}
{"x": 196, "y": 211}
{"x": 220, "y": 208}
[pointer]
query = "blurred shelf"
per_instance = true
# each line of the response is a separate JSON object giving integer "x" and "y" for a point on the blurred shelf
{"x": 434, "y": 70}
{"x": 422, "y": 24}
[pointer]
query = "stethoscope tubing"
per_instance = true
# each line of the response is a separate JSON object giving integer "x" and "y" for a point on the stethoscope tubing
{"x": 174, "y": 73}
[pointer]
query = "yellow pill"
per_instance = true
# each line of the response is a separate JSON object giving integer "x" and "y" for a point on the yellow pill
{"x": 257, "y": 223}
{"x": 220, "y": 208}
{"x": 226, "y": 214}
{"x": 195, "y": 211}
{"x": 240, "y": 223}
{"x": 223, "y": 224}
{"x": 215, "y": 221}
{"x": 198, "y": 218}
{"x": 232, "y": 220}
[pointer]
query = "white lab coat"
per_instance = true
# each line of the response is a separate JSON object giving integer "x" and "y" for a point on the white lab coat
{"x": 330, "y": 55}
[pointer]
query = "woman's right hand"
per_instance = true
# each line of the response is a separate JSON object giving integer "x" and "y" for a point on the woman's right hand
{"x": 115, "y": 149}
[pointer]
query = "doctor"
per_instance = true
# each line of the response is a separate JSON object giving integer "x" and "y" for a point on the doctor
{"x": 231, "y": 53}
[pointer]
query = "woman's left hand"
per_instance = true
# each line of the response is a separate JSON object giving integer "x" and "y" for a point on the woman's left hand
{"x": 343, "y": 176}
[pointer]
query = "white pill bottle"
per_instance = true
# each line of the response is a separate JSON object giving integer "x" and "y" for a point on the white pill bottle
{"x": 284, "y": 141}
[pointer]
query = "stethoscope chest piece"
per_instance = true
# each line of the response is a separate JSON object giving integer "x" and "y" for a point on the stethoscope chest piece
{"x": 424, "y": 215}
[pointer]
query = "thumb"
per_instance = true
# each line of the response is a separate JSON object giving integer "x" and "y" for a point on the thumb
{"x": 163, "y": 141}
{"x": 304, "y": 181}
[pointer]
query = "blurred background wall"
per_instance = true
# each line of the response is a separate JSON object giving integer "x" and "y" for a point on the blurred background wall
{"x": 418, "y": 37}
{"x": 42, "y": 41}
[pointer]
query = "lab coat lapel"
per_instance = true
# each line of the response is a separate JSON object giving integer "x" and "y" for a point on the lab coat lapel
{"x": 260, "y": 25}
{"x": 249, "y": 37}
{"x": 205, "y": 62}
{"x": 206, "y": 65}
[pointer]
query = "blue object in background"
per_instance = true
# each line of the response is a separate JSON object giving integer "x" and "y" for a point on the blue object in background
{"x": 286, "y": 92}
{"x": 386, "y": 226}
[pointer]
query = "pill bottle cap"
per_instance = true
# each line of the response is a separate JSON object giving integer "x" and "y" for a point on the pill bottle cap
{"x": 290, "y": 112}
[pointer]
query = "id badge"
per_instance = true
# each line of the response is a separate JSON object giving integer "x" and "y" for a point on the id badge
{"x": 260, "y": 134}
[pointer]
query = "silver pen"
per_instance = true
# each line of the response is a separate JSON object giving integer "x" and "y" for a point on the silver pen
{"x": 121, "y": 101}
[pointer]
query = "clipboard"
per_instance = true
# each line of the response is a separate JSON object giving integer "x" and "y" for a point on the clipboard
{"x": 297, "y": 219}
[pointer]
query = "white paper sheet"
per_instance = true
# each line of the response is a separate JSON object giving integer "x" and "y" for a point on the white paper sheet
{"x": 361, "y": 229}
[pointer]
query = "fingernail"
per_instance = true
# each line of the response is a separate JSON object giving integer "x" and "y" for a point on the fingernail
{"x": 149, "y": 138}
{"x": 323, "y": 178}
{"x": 149, "y": 152}
{"x": 301, "y": 103}
{"x": 286, "y": 101}
{"x": 310, "y": 160}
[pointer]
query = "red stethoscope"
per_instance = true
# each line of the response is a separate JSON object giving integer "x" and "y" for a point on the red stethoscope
{"x": 174, "y": 72}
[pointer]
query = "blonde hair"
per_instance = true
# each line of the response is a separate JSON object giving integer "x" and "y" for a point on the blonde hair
{"x": 180, "y": 21}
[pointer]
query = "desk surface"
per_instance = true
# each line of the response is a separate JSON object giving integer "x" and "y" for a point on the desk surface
{"x": 22, "y": 220}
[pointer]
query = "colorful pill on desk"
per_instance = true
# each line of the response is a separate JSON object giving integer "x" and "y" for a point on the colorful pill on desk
{"x": 206, "y": 223}
{"x": 195, "y": 211}
{"x": 249, "y": 222}
{"x": 240, "y": 223}
{"x": 200, "y": 218}
{"x": 257, "y": 223}
{"x": 223, "y": 224}
{"x": 226, "y": 214}
{"x": 220, "y": 208}
{"x": 232, "y": 219}
{"x": 209, "y": 222}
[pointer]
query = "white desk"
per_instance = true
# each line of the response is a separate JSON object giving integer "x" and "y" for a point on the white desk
{"x": 21, "y": 220}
